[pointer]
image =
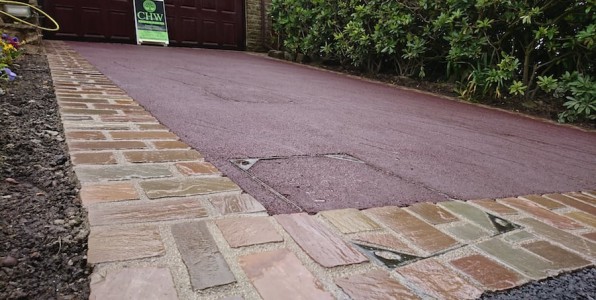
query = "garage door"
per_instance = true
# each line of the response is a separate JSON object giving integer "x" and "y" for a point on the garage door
{"x": 196, "y": 23}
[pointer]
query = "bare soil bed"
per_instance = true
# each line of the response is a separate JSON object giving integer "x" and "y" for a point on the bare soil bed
{"x": 43, "y": 228}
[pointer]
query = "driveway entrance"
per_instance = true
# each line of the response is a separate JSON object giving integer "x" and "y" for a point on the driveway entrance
{"x": 298, "y": 138}
{"x": 207, "y": 23}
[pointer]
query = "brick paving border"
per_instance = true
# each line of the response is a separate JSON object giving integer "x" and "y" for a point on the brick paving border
{"x": 166, "y": 224}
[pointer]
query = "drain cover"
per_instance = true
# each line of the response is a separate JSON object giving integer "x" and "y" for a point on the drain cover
{"x": 501, "y": 224}
{"x": 388, "y": 258}
{"x": 330, "y": 181}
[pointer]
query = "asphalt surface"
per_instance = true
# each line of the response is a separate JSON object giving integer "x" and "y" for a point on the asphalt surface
{"x": 412, "y": 147}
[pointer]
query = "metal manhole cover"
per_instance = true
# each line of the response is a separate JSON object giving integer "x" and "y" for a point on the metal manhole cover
{"x": 330, "y": 181}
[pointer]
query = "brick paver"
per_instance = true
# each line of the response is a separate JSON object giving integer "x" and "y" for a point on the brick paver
{"x": 240, "y": 232}
{"x": 114, "y": 244}
{"x": 165, "y": 224}
{"x": 374, "y": 285}
{"x": 421, "y": 234}
{"x": 320, "y": 243}
{"x": 134, "y": 283}
{"x": 206, "y": 266}
{"x": 279, "y": 274}
{"x": 488, "y": 272}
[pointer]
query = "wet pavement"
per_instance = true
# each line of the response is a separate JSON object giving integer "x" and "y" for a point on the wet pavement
{"x": 415, "y": 147}
{"x": 165, "y": 223}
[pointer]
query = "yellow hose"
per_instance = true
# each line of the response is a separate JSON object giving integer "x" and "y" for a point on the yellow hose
{"x": 25, "y": 22}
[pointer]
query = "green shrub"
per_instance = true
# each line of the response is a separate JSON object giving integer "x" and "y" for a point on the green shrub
{"x": 487, "y": 48}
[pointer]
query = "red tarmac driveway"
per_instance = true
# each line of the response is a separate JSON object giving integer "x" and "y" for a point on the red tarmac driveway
{"x": 397, "y": 147}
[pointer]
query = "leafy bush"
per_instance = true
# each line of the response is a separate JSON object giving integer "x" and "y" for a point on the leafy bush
{"x": 487, "y": 48}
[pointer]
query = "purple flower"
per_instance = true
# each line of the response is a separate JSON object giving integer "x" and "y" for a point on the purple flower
{"x": 15, "y": 39}
{"x": 4, "y": 36}
{"x": 11, "y": 75}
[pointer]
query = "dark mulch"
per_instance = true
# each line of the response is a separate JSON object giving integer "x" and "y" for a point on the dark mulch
{"x": 43, "y": 228}
{"x": 577, "y": 285}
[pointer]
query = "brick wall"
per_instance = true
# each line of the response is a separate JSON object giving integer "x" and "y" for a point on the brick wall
{"x": 255, "y": 39}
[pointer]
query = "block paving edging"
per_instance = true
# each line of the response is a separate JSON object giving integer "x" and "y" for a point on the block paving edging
{"x": 165, "y": 224}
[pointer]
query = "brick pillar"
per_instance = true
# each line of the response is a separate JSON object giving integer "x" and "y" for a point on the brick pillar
{"x": 258, "y": 31}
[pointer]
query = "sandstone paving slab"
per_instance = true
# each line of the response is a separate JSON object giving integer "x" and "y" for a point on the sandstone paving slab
{"x": 590, "y": 236}
{"x": 422, "y": 234}
{"x": 167, "y": 144}
{"x": 105, "y": 145}
{"x": 187, "y": 187}
{"x": 489, "y": 273}
{"x": 467, "y": 232}
{"x": 586, "y": 218}
{"x": 432, "y": 214}
{"x": 571, "y": 202}
{"x": 248, "y": 231}
{"x": 109, "y": 192}
{"x": 350, "y": 220}
{"x": 385, "y": 241}
{"x": 115, "y": 244}
{"x": 494, "y": 206}
{"x": 320, "y": 243}
{"x": 85, "y": 135}
{"x": 143, "y": 135}
{"x": 566, "y": 239}
{"x": 143, "y": 212}
{"x": 279, "y": 274}
{"x": 236, "y": 204}
{"x": 439, "y": 281}
{"x": 134, "y": 283}
{"x": 93, "y": 158}
{"x": 561, "y": 258}
{"x": 543, "y": 201}
{"x": 194, "y": 168}
{"x": 473, "y": 214}
{"x": 121, "y": 172}
{"x": 582, "y": 197}
{"x": 522, "y": 260}
{"x": 542, "y": 213}
{"x": 205, "y": 264}
{"x": 76, "y": 111}
{"x": 374, "y": 285}
{"x": 161, "y": 156}
{"x": 518, "y": 236}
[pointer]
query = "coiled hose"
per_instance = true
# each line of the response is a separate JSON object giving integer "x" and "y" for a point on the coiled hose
{"x": 28, "y": 23}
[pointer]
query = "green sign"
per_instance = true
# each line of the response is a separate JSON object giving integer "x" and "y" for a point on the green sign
{"x": 150, "y": 20}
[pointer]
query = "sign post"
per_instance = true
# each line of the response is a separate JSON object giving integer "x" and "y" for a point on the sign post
{"x": 150, "y": 22}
